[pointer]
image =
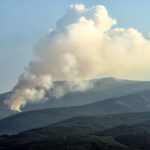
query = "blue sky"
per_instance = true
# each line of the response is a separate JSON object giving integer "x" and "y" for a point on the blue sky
{"x": 24, "y": 22}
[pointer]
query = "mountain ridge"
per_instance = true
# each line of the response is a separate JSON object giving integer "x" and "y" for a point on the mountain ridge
{"x": 104, "y": 88}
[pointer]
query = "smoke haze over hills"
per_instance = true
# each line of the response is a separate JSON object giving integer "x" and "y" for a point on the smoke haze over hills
{"x": 83, "y": 46}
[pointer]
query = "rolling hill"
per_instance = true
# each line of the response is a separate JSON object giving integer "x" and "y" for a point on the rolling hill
{"x": 139, "y": 128}
{"x": 135, "y": 136}
{"x": 39, "y": 118}
{"x": 111, "y": 132}
{"x": 102, "y": 89}
{"x": 74, "y": 130}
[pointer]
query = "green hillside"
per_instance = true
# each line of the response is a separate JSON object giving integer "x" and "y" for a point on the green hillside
{"x": 39, "y": 118}
{"x": 135, "y": 136}
{"x": 52, "y": 136}
{"x": 111, "y": 132}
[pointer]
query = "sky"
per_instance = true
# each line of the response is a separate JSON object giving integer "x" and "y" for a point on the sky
{"x": 24, "y": 22}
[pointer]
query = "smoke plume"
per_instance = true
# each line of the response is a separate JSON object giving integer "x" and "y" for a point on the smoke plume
{"x": 83, "y": 46}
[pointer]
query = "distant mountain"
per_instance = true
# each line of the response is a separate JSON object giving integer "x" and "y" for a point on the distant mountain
{"x": 129, "y": 131}
{"x": 103, "y": 89}
{"x": 39, "y": 118}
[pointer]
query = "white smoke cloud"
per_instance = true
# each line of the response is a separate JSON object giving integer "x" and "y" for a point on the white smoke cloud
{"x": 83, "y": 46}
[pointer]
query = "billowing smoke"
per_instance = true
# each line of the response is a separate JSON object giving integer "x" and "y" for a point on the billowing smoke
{"x": 83, "y": 46}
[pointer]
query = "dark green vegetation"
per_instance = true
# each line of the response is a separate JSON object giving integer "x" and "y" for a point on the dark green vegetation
{"x": 110, "y": 132}
{"x": 91, "y": 123}
{"x": 69, "y": 143}
{"x": 86, "y": 133}
{"x": 33, "y": 119}
{"x": 117, "y": 123}
{"x": 102, "y": 89}
{"x": 81, "y": 130}
{"x": 140, "y": 141}
{"x": 139, "y": 128}
{"x": 137, "y": 135}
